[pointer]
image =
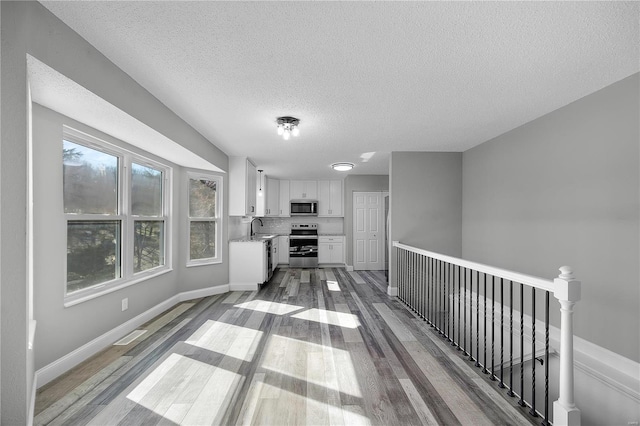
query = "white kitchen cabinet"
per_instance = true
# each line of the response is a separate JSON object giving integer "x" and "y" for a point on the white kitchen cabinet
{"x": 242, "y": 187}
{"x": 273, "y": 197}
{"x": 283, "y": 246}
{"x": 285, "y": 199}
{"x": 304, "y": 189}
{"x": 261, "y": 195}
{"x": 331, "y": 249}
{"x": 268, "y": 199}
{"x": 330, "y": 198}
{"x": 275, "y": 247}
{"x": 247, "y": 265}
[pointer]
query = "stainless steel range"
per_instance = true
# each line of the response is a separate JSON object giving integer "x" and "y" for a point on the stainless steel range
{"x": 303, "y": 245}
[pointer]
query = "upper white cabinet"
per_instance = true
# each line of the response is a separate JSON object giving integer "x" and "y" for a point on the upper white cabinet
{"x": 330, "y": 198}
{"x": 268, "y": 199}
{"x": 273, "y": 197}
{"x": 304, "y": 189}
{"x": 285, "y": 199}
{"x": 242, "y": 187}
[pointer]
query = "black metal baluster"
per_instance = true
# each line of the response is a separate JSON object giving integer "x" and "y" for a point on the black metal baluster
{"x": 423, "y": 286}
{"x": 408, "y": 296}
{"x": 493, "y": 326}
{"x": 532, "y": 412}
{"x": 445, "y": 323}
{"x": 414, "y": 281}
{"x": 414, "y": 295}
{"x": 452, "y": 280}
{"x": 470, "y": 352}
{"x": 501, "y": 384}
{"x": 440, "y": 314}
{"x": 464, "y": 310}
{"x": 510, "y": 393}
{"x": 460, "y": 325}
{"x": 484, "y": 369}
{"x": 521, "y": 402}
{"x": 452, "y": 298}
{"x": 545, "y": 422}
{"x": 477, "y": 319}
{"x": 430, "y": 282}
{"x": 400, "y": 272}
{"x": 439, "y": 327}
{"x": 450, "y": 294}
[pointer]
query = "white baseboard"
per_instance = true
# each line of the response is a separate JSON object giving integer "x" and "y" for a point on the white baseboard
{"x": 349, "y": 268}
{"x": 67, "y": 362}
{"x": 204, "y": 292}
{"x": 392, "y": 291}
{"x": 243, "y": 287}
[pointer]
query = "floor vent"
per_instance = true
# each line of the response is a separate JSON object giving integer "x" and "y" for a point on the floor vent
{"x": 129, "y": 338}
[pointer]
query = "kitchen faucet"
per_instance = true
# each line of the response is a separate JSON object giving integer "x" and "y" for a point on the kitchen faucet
{"x": 261, "y": 224}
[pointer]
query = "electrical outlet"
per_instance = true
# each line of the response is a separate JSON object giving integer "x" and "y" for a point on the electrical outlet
{"x": 125, "y": 304}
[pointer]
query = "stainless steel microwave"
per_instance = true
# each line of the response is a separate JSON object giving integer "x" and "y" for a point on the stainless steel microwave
{"x": 304, "y": 208}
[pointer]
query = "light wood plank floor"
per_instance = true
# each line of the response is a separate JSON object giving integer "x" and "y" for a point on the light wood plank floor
{"x": 313, "y": 346}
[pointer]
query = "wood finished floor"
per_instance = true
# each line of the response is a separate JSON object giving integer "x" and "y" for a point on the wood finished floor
{"x": 313, "y": 346}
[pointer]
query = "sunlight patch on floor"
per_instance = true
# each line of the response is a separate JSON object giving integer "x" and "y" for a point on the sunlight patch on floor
{"x": 269, "y": 307}
{"x": 186, "y": 391}
{"x": 333, "y": 285}
{"x": 227, "y": 339}
{"x": 329, "y": 317}
{"x": 312, "y": 365}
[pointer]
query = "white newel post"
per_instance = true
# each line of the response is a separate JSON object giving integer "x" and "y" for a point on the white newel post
{"x": 567, "y": 292}
{"x": 392, "y": 286}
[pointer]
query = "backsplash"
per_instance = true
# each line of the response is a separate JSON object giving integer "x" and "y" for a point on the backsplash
{"x": 282, "y": 225}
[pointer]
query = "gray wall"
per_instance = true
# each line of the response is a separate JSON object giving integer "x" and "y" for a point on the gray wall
{"x": 60, "y": 330}
{"x": 426, "y": 201}
{"x": 358, "y": 183}
{"x": 564, "y": 190}
{"x": 28, "y": 28}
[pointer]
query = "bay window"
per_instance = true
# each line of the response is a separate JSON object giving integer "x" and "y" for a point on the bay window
{"x": 116, "y": 215}
{"x": 205, "y": 195}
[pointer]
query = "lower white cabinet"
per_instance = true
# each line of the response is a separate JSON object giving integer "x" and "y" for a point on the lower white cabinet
{"x": 331, "y": 249}
{"x": 275, "y": 248}
{"x": 283, "y": 247}
{"x": 247, "y": 265}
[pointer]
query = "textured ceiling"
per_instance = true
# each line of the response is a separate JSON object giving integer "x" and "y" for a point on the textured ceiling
{"x": 365, "y": 78}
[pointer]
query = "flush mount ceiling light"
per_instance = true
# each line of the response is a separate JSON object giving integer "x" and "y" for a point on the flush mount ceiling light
{"x": 288, "y": 126}
{"x": 342, "y": 167}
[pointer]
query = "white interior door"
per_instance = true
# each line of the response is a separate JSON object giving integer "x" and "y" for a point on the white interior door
{"x": 368, "y": 231}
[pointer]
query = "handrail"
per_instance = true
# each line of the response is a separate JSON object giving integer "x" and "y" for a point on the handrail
{"x": 427, "y": 281}
{"x": 529, "y": 280}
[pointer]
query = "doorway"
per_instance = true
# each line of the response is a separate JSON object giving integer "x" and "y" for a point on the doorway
{"x": 369, "y": 230}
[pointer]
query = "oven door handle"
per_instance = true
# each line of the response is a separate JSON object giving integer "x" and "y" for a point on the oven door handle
{"x": 303, "y": 237}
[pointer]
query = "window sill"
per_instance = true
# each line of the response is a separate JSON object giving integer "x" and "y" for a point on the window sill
{"x": 203, "y": 263}
{"x": 110, "y": 288}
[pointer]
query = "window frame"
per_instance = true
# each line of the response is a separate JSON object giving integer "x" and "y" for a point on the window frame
{"x": 219, "y": 179}
{"x": 124, "y": 216}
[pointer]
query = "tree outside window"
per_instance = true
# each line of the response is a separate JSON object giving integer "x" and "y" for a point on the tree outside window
{"x": 204, "y": 194}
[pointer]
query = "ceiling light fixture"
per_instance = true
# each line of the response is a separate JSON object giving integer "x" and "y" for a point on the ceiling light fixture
{"x": 342, "y": 167}
{"x": 260, "y": 190}
{"x": 288, "y": 126}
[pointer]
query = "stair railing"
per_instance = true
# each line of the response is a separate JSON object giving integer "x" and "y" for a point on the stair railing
{"x": 461, "y": 299}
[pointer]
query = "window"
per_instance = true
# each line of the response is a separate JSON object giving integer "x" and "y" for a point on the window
{"x": 148, "y": 223}
{"x": 205, "y": 195}
{"x": 115, "y": 207}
